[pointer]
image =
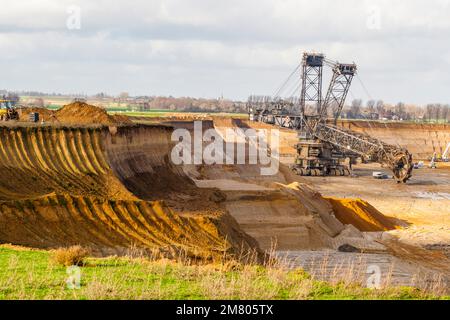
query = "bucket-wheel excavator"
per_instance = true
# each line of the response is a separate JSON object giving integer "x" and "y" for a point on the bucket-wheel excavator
{"x": 323, "y": 146}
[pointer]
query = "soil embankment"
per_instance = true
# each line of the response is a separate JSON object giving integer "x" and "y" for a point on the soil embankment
{"x": 422, "y": 140}
{"x": 76, "y": 113}
{"x": 361, "y": 214}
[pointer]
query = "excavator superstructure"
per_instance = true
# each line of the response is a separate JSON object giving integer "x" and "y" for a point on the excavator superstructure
{"x": 323, "y": 146}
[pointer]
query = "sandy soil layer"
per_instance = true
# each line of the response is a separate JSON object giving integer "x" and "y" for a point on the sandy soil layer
{"x": 422, "y": 140}
{"x": 422, "y": 206}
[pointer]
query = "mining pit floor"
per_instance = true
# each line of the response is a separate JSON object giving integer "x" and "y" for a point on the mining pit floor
{"x": 422, "y": 206}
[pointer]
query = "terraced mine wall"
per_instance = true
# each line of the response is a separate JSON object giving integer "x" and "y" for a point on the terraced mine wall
{"x": 110, "y": 189}
{"x": 422, "y": 140}
{"x": 279, "y": 211}
{"x": 114, "y": 189}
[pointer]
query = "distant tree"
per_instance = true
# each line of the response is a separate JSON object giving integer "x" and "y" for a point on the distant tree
{"x": 399, "y": 110}
{"x": 379, "y": 106}
{"x": 430, "y": 112}
{"x": 414, "y": 112}
{"x": 355, "y": 108}
{"x": 445, "y": 113}
{"x": 437, "y": 111}
{"x": 371, "y": 106}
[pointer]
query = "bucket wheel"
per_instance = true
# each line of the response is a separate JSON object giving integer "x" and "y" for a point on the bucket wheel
{"x": 402, "y": 166}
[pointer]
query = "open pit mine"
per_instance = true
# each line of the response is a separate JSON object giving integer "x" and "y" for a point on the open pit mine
{"x": 107, "y": 183}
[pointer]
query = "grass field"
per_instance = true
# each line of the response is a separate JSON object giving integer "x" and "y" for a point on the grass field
{"x": 168, "y": 113}
{"x": 151, "y": 113}
{"x": 30, "y": 274}
{"x": 114, "y": 108}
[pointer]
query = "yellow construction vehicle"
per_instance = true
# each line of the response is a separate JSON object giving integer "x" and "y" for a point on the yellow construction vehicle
{"x": 8, "y": 110}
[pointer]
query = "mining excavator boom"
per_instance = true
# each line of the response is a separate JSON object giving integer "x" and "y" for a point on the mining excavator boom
{"x": 397, "y": 159}
{"x": 322, "y": 145}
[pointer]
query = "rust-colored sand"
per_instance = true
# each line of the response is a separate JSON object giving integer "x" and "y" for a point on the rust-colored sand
{"x": 76, "y": 113}
{"x": 83, "y": 113}
{"x": 361, "y": 214}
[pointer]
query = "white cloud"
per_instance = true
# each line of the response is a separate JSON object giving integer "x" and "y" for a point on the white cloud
{"x": 236, "y": 47}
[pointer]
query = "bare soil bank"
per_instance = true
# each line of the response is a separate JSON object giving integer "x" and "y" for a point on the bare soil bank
{"x": 422, "y": 140}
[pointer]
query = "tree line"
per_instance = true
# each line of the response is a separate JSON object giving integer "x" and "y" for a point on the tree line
{"x": 356, "y": 109}
{"x": 379, "y": 110}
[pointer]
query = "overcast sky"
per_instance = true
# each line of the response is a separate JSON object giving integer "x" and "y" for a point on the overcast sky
{"x": 206, "y": 48}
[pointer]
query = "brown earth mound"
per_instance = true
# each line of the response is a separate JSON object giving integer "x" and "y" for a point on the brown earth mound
{"x": 83, "y": 113}
{"x": 361, "y": 214}
{"x": 76, "y": 113}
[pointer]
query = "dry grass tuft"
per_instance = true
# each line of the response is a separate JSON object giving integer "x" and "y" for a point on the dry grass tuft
{"x": 71, "y": 256}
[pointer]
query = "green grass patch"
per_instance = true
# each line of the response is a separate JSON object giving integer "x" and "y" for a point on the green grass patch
{"x": 165, "y": 113}
{"x": 53, "y": 106}
{"x": 149, "y": 114}
{"x": 29, "y": 274}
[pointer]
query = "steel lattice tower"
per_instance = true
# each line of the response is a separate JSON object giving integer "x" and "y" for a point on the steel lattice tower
{"x": 312, "y": 66}
{"x": 337, "y": 92}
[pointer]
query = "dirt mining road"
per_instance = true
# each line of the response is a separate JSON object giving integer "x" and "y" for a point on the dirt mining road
{"x": 422, "y": 205}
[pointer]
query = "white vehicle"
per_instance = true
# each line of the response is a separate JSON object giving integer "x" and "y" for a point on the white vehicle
{"x": 379, "y": 175}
